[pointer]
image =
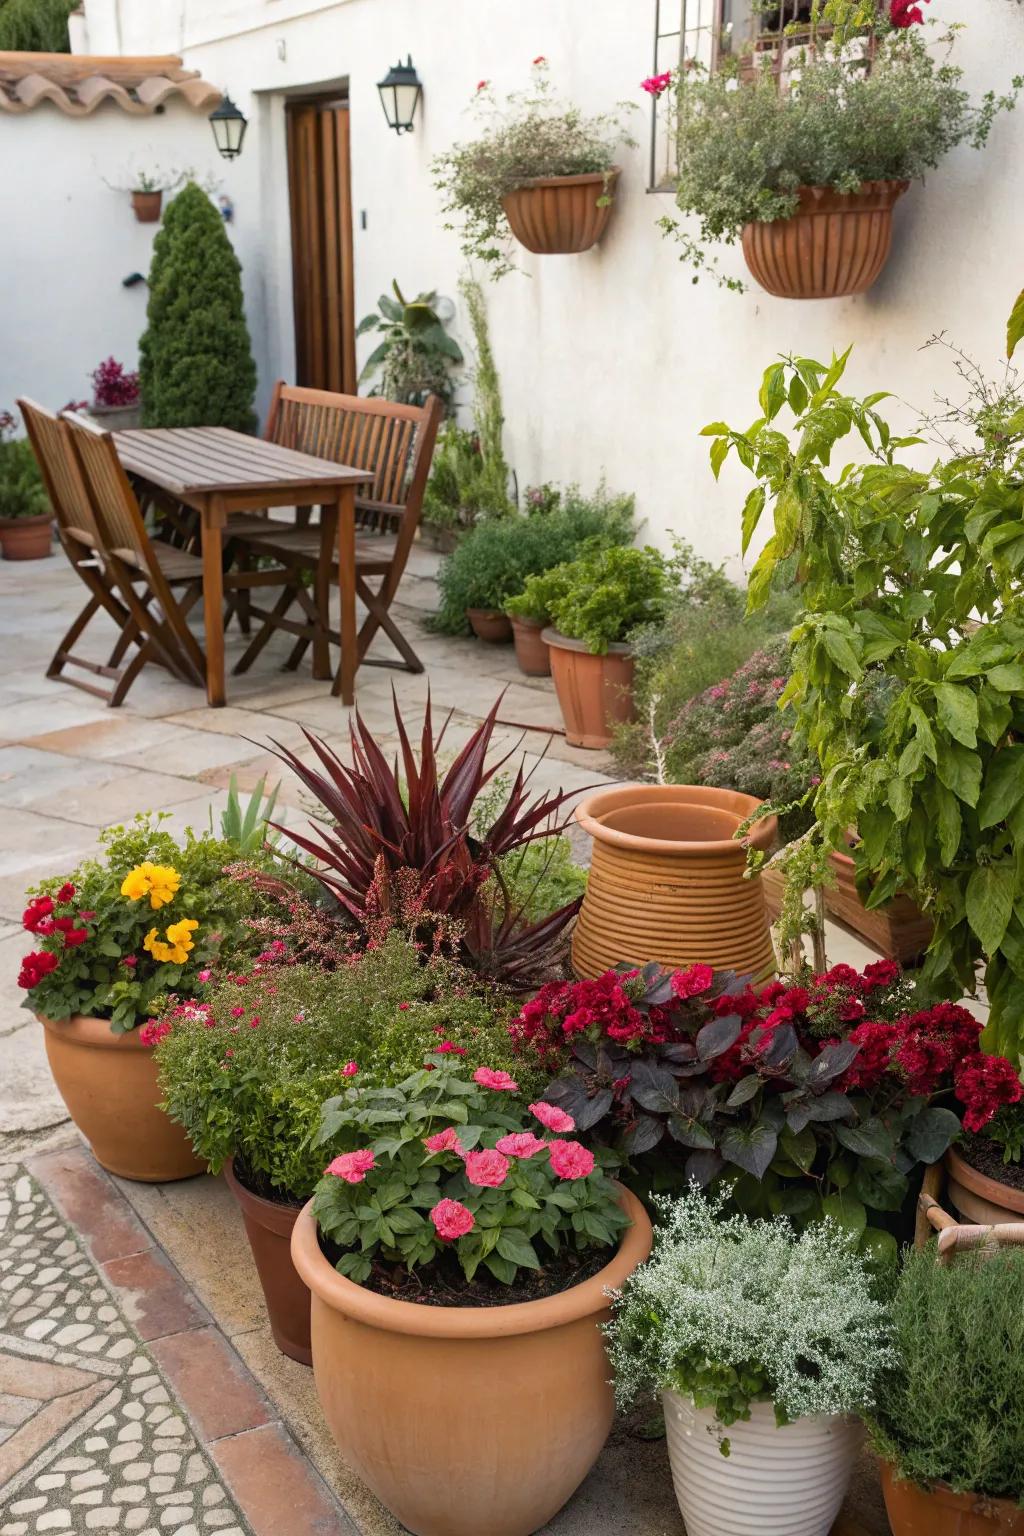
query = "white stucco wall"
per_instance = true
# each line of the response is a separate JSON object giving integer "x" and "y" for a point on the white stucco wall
{"x": 610, "y": 361}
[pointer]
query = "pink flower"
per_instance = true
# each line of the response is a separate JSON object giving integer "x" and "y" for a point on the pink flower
{"x": 236, "y": 1013}
{"x": 205, "y": 975}
{"x": 351, "y": 1166}
{"x": 350, "y": 1069}
{"x": 487, "y": 1169}
{"x": 482, "y": 85}
{"x": 656, "y": 85}
{"x": 554, "y": 1118}
{"x": 444, "y": 1141}
{"x": 402, "y": 1007}
{"x": 570, "y": 1159}
{"x": 540, "y": 59}
{"x": 449, "y": 1048}
{"x": 691, "y": 982}
{"x": 451, "y": 1220}
{"x": 152, "y": 1034}
{"x": 501, "y": 1082}
{"x": 520, "y": 1144}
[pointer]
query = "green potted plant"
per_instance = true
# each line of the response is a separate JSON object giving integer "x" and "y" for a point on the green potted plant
{"x": 415, "y": 354}
{"x": 842, "y": 128}
{"x": 454, "y": 1241}
{"x": 540, "y": 171}
{"x": 764, "y": 1345}
{"x": 946, "y": 1421}
{"x": 464, "y": 488}
{"x": 26, "y": 519}
{"x": 245, "y": 1071}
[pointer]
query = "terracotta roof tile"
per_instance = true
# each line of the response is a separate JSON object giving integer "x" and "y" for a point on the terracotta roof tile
{"x": 78, "y": 83}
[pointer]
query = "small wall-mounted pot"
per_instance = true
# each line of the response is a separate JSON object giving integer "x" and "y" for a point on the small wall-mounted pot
{"x": 147, "y": 206}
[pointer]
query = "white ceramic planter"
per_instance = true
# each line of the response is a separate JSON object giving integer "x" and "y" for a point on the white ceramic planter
{"x": 789, "y": 1482}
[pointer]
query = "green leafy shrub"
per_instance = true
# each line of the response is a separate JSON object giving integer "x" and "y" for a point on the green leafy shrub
{"x": 495, "y": 559}
{"x": 415, "y": 355}
{"x": 22, "y": 493}
{"x": 195, "y": 360}
{"x": 463, "y": 488}
{"x": 600, "y": 597}
{"x": 254, "y": 1091}
{"x": 949, "y": 1408}
{"x": 730, "y": 1312}
{"x": 541, "y": 877}
{"x": 35, "y": 26}
{"x": 533, "y": 134}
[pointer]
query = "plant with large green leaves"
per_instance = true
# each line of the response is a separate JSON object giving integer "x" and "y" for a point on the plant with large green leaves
{"x": 415, "y": 354}
{"x": 913, "y": 583}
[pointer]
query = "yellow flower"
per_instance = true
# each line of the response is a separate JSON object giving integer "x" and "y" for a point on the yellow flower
{"x": 180, "y": 936}
{"x": 157, "y": 881}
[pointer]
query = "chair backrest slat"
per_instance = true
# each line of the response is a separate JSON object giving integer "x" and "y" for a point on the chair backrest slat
{"x": 61, "y": 474}
{"x": 116, "y": 510}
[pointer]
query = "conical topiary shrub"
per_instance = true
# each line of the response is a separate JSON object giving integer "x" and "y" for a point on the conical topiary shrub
{"x": 195, "y": 360}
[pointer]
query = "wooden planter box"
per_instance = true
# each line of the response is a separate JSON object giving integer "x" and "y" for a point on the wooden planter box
{"x": 899, "y": 930}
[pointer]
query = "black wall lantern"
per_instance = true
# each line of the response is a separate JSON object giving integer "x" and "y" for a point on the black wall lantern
{"x": 400, "y": 90}
{"x": 229, "y": 125}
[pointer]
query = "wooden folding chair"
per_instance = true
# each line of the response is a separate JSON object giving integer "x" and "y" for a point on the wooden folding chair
{"x": 145, "y": 570}
{"x": 396, "y": 442}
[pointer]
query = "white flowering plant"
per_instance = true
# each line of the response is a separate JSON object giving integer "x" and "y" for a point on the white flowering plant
{"x": 730, "y": 1312}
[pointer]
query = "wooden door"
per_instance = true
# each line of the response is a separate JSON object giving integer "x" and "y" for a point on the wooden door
{"x": 321, "y": 210}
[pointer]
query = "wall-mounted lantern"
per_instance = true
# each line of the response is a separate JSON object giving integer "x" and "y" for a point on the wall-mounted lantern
{"x": 229, "y": 125}
{"x": 400, "y": 90}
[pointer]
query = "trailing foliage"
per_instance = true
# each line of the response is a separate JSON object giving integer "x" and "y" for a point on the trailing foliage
{"x": 533, "y": 134}
{"x": 949, "y": 1408}
{"x": 729, "y": 1312}
{"x": 195, "y": 360}
{"x": 913, "y": 582}
{"x": 601, "y": 597}
{"x": 415, "y": 355}
{"x": 22, "y": 493}
{"x": 35, "y": 26}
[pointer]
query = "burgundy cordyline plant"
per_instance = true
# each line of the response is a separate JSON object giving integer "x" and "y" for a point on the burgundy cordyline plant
{"x": 394, "y": 840}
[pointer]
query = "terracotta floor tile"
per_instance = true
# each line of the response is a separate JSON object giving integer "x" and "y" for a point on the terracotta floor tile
{"x": 87, "y": 1198}
{"x": 154, "y": 1298}
{"x": 212, "y": 1384}
{"x": 276, "y": 1488}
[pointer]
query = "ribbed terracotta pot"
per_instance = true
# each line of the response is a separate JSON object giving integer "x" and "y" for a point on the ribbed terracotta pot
{"x": 938, "y": 1511}
{"x": 786, "y": 1482}
{"x": 899, "y": 929}
{"x": 595, "y": 693}
{"x": 146, "y": 206}
{"x": 981, "y": 1199}
{"x": 560, "y": 215}
{"x": 531, "y": 651}
{"x": 26, "y": 538}
{"x": 835, "y": 244}
{"x": 109, "y": 1084}
{"x": 490, "y": 625}
{"x": 466, "y": 1421}
{"x": 667, "y": 880}
{"x": 268, "y": 1226}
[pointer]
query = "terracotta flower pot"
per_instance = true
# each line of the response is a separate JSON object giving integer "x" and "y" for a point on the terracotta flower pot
{"x": 836, "y": 243}
{"x": 26, "y": 538}
{"x": 667, "y": 881}
{"x": 979, "y": 1198}
{"x": 938, "y": 1511}
{"x": 147, "y": 206}
{"x": 466, "y": 1421}
{"x": 531, "y": 651}
{"x": 490, "y": 625}
{"x": 268, "y": 1226}
{"x": 116, "y": 418}
{"x": 595, "y": 693}
{"x": 109, "y": 1084}
{"x": 899, "y": 929}
{"x": 560, "y": 215}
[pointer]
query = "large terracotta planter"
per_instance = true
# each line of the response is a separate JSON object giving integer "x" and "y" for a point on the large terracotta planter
{"x": 26, "y": 538}
{"x": 667, "y": 880}
{"x": 109, "y": 1084}
{"x": 789, "y": 1481}
{"x": 560, "y": 215}
{"x": 466, "y": 1421}
{"x": 938, "y": 1511}
{"x": 899, "y": 929}
{"x": 490, "y": 625}
{"x": 268, "y": 1226}
{"x": 836, "y": 243}
{"x": 979, "y": 1198}
{"x": 531, "y": 650}
{"x": 595, "y": 693}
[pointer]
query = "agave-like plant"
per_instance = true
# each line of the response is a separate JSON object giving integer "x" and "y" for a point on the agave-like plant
{"x": 391, "y": 831}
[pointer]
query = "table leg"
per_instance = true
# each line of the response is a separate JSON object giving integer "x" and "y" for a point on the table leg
{"x": 213, "y": 520}
{"x": 345, "y": 680}
{"x": 322, "y": 592}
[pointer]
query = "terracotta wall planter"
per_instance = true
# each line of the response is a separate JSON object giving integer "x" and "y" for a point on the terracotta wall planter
{"x": 981, "y": 1199}
{"x": 147, "y": 206}
{"x": 595, "y": 693}
{"x": 531, "y": 651}
{"x": 490, "y": 625}
{"x": 667, "y": 880}
{"x": 268, "y": 1226}
{"x": 109, "y": 1084}
{"x": 466, "y": 1421}
{"x": 938, "y": 1511}
{"x": 26, "y": 538}
{"x": 560, "y": 215}
{"x": 836, "y": 243}
{"x": 899, "y": 929}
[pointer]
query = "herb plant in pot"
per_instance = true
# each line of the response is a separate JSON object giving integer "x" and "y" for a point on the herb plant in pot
{"x": 26, "y": 519}
{"x": 947, "y": 1421}
{"x": 540, "y": 171}
{"x": 764, "y": 1345}
{"x": 457, "y": 1245}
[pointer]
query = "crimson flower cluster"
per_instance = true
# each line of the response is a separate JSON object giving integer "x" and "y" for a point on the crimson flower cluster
{"x": 41, "y": 917}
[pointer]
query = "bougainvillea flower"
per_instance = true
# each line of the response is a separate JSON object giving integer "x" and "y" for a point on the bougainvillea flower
{"x": 904, "y": 13}
{"x": 351, "y": 1166}
{"x": 554, "y": 1118}
{"x": 451, "y": 1220}
{"x": 657, "y": 85}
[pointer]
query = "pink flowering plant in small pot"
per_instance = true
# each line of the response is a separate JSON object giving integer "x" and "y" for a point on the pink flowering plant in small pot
{"x": 442, "y": 1165}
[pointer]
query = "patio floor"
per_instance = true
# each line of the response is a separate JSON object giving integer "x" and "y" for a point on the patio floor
{"x": 114, "y": 1294}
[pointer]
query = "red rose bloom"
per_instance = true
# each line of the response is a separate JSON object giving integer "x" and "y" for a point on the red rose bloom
{"x": 66, "y": 892}
{"x": 38, "y": 909}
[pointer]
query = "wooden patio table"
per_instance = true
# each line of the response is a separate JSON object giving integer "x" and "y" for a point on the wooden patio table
{"x": 217, "y": 472}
